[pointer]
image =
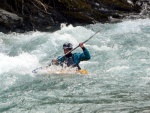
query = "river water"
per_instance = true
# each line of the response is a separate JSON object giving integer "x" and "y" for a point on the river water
{"x": 118, "y": 79}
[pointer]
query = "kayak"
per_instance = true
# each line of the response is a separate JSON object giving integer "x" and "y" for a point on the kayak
{"x": 59, "y": 70}
{"x": 82, "y": 71}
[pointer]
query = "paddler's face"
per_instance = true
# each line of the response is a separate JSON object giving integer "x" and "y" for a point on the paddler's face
{"x": 66, "y": 51}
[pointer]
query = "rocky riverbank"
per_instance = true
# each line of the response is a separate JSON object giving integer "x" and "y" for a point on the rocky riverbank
{"x": 47, "y": 15}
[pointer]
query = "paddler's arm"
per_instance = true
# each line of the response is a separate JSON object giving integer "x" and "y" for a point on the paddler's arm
{"x": 85, "y": 55}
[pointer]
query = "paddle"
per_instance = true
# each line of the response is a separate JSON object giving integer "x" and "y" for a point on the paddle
{"x": 35, "y": 70}
{"x": 78, "y": 45}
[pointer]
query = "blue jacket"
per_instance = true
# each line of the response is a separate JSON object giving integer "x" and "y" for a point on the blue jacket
{"x": 77, "y": 57}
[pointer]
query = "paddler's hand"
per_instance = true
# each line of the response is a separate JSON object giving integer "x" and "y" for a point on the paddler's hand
{"x": 54, "y": 61}
{"x": 81, "y": 45}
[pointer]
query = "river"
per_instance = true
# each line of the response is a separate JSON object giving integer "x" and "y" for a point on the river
{"x": 118, "y": 79}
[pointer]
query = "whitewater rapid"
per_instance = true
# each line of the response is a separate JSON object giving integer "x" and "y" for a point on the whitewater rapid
{"x": 119, "y": 70}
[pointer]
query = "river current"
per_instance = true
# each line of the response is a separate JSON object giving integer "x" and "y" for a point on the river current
{"x": 118, "y": 79}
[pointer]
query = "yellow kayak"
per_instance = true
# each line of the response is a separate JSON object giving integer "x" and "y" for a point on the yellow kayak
{"x": 82, "y": 71}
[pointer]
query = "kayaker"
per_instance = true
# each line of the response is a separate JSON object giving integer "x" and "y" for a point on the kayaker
{"x": 72, "y": 59}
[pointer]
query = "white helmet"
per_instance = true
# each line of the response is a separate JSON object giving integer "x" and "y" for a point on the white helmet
{"x": 67, "y": 45}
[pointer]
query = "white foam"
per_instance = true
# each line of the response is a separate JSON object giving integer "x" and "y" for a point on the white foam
{"x": 142, "y": 48}
{"x": 64, "y": 26}
{"x": 148, "y": 70}
{"x": 102, "y": 48}
{"x": 129, "y": 26}
{"x": 117, "y": 68}
{"x": 9, "y": 81}
{"x": 24, "y": 63}
{"x": 63, "y": 38}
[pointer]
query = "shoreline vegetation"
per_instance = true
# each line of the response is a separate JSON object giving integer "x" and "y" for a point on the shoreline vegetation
{"x": 47, "y": 15}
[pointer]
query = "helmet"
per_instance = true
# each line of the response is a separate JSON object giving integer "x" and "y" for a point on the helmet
{"x": 67, "y": 45}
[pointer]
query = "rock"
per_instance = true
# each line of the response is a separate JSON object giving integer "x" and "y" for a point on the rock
{"x": 46, "y": 15}
{"x": 9, "y": 20}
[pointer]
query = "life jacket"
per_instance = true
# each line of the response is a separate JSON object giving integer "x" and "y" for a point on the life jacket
{"x": 69, "y": 61}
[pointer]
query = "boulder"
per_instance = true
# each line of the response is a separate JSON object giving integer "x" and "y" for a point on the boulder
{"x": 9, "y": 20}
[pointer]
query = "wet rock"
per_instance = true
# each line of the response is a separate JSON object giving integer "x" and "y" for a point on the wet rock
{"x": 47, "y": 15}
{"x": 9, "y": 20}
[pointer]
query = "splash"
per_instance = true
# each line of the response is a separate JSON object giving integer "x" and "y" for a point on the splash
{"x": 18, "y": 64}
